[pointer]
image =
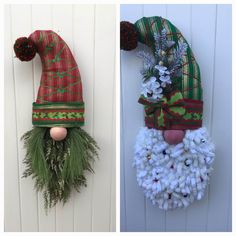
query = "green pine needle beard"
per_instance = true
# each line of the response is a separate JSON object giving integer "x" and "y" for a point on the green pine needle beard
{"x": 58, "y": 166}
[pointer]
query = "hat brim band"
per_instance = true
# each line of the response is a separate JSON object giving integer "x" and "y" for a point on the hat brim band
{"x": 192, "y": 119}
{"x": 58, "y": 114}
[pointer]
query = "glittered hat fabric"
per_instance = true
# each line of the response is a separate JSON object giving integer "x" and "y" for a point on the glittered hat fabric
{"x": 58, "y": 151}
{"x": 173, "y": 153}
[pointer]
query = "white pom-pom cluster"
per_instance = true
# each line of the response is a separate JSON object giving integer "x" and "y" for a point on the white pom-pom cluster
{"x": 173, "y": 176}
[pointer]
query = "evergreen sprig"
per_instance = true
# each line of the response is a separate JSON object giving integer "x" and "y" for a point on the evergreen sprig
{"x": 172, "y": 61}
{"x": 178, "y": 53}
{"x": 58, "y": 166}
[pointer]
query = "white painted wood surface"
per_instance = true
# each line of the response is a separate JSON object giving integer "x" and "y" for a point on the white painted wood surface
{"x": 208, "y": 30}
{"x": 89, "y": 31}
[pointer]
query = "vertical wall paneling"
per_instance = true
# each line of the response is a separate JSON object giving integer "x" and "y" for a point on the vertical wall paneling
{"x": 219, "y": 207}
{"x": 21, "y": 16}
{"x": 85, "y": 58}
{"x": 197, "y": 215}
{"x": 122, "y": 165}
{"x": 12, "y": 204}
{"x": 103, "y": 94}
{"x": 113, "y": 162}
{"x": 207, "y": 29}
{"x": 93, "y": 44}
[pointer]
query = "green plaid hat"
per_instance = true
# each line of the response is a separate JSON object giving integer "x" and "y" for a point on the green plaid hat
{"x": 181, "y": 108}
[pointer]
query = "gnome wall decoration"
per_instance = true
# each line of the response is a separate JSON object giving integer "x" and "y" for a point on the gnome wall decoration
{"x": 58, "y": 150}
{"x": 173, "y": 153}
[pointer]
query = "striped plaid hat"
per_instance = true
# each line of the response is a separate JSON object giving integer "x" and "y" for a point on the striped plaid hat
{"x": 59, "y": 101}
{"x": 187, "y": 90}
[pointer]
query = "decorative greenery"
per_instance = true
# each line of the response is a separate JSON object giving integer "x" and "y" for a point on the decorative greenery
{"x": 58, "y": 166}
{"x": 165, "y": 64}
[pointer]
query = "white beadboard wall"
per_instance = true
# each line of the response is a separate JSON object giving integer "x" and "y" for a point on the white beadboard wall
{"x": 208, "y": 30}
{"x": 89, "y": 30}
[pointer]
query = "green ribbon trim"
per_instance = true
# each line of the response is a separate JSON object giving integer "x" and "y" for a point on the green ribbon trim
{"x": 57, "y": 115}
{"x": 192, "y": 116}
{"x": 58, "y": 124}
{"x": 58, "y": 105}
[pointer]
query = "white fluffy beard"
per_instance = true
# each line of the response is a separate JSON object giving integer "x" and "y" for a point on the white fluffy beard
{"x": 173, "y": 176}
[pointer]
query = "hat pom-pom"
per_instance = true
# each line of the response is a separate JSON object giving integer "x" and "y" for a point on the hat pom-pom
{"x": 128, "y": 36}
{"x": 25, "y": 49}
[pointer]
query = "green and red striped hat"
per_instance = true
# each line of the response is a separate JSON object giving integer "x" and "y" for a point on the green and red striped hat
{"x": 189, "y": 82}
{"x": 59, "y": 101}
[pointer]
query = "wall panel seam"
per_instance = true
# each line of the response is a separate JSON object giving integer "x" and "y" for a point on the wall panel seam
{"x": 73, "y": 53}
{"x": 92, "y": 122}
{"x": 112, "y": 136}
{"x": 33, "y": 91}
{"x": 17, "y": 135}
{"x": 123, "y": 144}
{"x": 212, "y": 103}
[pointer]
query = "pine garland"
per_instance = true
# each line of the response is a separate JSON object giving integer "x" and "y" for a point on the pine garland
{"x": 58, "y": 166}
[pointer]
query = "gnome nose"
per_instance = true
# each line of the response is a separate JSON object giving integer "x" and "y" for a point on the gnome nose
{"x": 58, "y": 133}
{"x": 173, "y": 137}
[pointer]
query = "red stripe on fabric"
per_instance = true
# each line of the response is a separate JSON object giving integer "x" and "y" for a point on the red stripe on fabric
{"x": 150, "y": 122}
{"x": 184, "y": 121}
{"x": 194, "y": 111}
{"x": 189, "y": 89}
{"x": 57, "y": 119}
{"x": 192, "y": 105}
{"x": 183, "y": 127}
{"x": 58, "y": 110}
{"x": 188, "y": 100}
{"x": 193, "y": 77}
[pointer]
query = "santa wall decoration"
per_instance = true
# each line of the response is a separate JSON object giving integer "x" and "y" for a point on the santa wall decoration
{"x": 58, "y": 150}
{"x": 173, "y": 152}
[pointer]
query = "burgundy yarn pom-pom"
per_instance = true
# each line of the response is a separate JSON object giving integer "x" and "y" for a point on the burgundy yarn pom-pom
{"x": 25, "y": 49}
{"x": 128, "y": 36}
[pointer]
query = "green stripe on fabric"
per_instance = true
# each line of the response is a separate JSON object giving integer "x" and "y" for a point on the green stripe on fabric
{"x": 66, "y": 125}
{"x": 168, "y": 30}
{"x": 173, "y": 31}
{"x": 146, "y": 28}
{"x": 57, "y": 121}
{"x": 200, "y": 86}
{"x": 148, "y": 33}
{"x": 58, "y": 105}
{"x": 191, "y": 74}
{"x": 141, "y": 30}
{"x": 158, "y": 25}
{"x": 151, "y": 33}
{"x": 195, "y": 81}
